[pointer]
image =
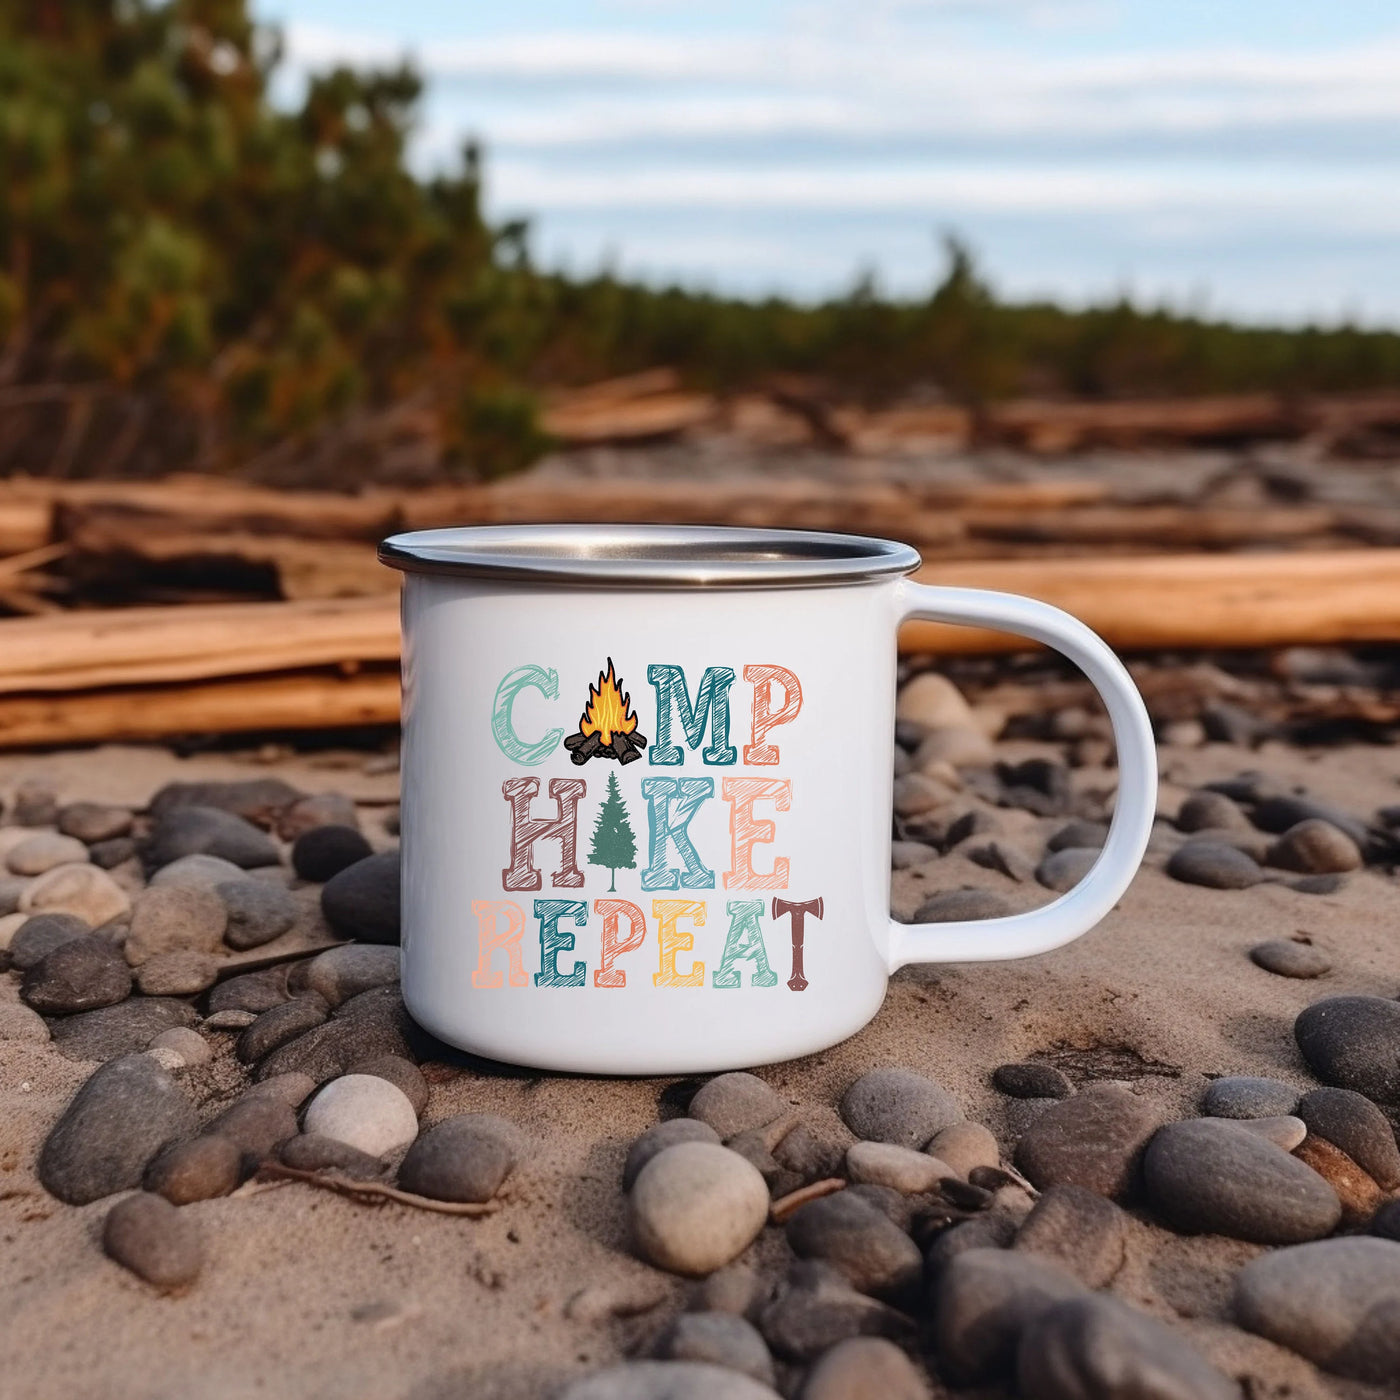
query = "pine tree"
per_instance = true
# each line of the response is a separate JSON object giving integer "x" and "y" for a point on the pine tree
{"x": 614, "y": 845}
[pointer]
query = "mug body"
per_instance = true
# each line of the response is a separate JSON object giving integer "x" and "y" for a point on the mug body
{"x": 645, "y": 830}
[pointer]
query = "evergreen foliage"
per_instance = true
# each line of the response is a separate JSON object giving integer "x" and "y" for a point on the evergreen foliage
{"x": 614, "y": 845}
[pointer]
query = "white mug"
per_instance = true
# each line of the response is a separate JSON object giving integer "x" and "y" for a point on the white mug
{"x": 647, "y": 777}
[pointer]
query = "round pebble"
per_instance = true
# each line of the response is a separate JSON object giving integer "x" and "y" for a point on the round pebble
{"x": 1335, "y": 1302}
{"x": 658, "y": 1139}
{"x": 178, "y": 973}
{"x": 11, "y": 888}
{"x": 851, "y": 1234}
{"x": 1287, "y": 958}
{"x": 864, "y": 1368}
{"x": 257, "y": 912}
{"x": 667, "y": 1380}
{"x": 18, "y": 1022}
{"x": 280, "y": 1025}
{"x": 83, "y": 890}
{"x": 341, "y": 973}
{"x": 189, "y": 1045}
{"x": 92, "y": 822}
{"x": 814, "y": 1307}
{"x": 719, "y": 1338}
{"x": 1283, "y": 1130}
{"x": 1358, "y": 1192}
{"x": 1211, "y": 811}
{"x": 365, "y": 1112}
{"x": 167, "y": 918}
{"x": 696, "y": 1206}
{"x": 197, "y": 1170}
{"x": 963, "y": 1147}
{"x": 962, "y": 745}
{"x": 403, "y": 1074}
{"x": 122, "y": 1029}
{"x": 309, "y": 1152}
{"x": 1031, "y": 1080}
{"x": 196, "y": 830}
{"x": 1062, "y": 870}
{"x": 201, "y": 871}
{"x": 1211, "y": 1176}
{"x": 253, "y": 991}
{"x": 1248, "y": 1096}
{"x": 466, "y": 1158}
{"x": 1214, "y": 865}
{"x": 898, "y": 1106}
{"x": 78, "y": 975}
{"x": 1353, "y": 1123}
{"x": 155, "y": 1240}
{"x": 1079, "y": 1230}
{"x": 290, "y": 1089}
{"x": 325, "y": 851}
{"x": 1098, "y": 1347}
{"x": 931, "y": 701}
{"x": 43, "y": 851}
{"x": 320, "y": 809}
{"x": 734, "y": 1103}
{"x": 1314, "y": 847}
{"x": 1353, "y": 1042}
{"x": 900, "y": 1168}
{"x": 956, "y": 906}
{"x": 257, "y": 1124}
{"x": 1095, "y": 1140}
{"x": 35, "y": 803}
{"x": 109, "y": 854}
{"x": 362, "y": 901}
{"x": 40, "y": 934}
{"x": 1078, "y": 835}
{"x": 258, "y": 800}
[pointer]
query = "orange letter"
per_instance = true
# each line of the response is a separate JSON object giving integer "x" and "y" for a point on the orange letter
{"x": 746, "y": 830}
{"x": 666, "y": 912}
{"x": 764, "y": 716}
{"x": 605, "y": 974}
{"x": 489, "y": 937}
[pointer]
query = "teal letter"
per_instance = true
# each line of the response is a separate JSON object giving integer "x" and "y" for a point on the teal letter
{"x": 711, "y": 706}
{"x": 510, "y": 743}
{"x": 554, "y": 941}
{"x": 671, "y": 802}
{"x": 744, "y": 942}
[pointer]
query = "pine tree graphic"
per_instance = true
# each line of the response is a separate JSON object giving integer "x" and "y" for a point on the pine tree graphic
{"x": 614, "y": 845}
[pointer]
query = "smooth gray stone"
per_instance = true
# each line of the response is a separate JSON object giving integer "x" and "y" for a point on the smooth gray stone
{"x": 202, "y": 871}
{"x": 196, "y": 1170}
{"x": 1214, "y": 865}
{"x": 984, "y": 1300}
{"x": 864, "y": 1368}
{"x": 1032, "y": 1080}
{"x": 40, "y": 934}
{"x": 719, "y": 1339}
{"x": 1062, "y": 870}
{"x": 1080, "y": 1230}
{"x": 1078, "y": 835}
{"x": 281, "y": 1024}
{"x": 310, "y": 1152}
{"x": 258, "y": 912}
{"x": 1210, "y": 811}
{"x": 92, "y": 822}
{"x": 464, "y": 1158}
{"x": 953, "y": 906}
{"x": 341, "y": 973}
{"x": 325, "y": 851}
{"x": 1277, "y": 814}
{"x": 1095, "y": 1348}
{"x": 122, "y": 1029}
{"x": 1248, "y": 1096}
{"x": 852, "y": 1235}
{"x": 1336, "y": 1302}
{"x": 735, "y": 1102}
{"x": 815, "y": 1307}
{"x": 1212, "y": 1176}
{"x": 189, "y": 831}
{"x": 899, "y": 1106}
{"x": 1353, "y": 1042}
{"x": 155, "y": 1240}
{"x": 992, "y": 1229}
{"x": 1286, "y": 958}
{"x": 667, "y": 1380}
{"x": 257, "y": 800}
{"x": 127, "y": 1112}
{"x": 373, "y": 1023}
{"x": 320, "y": 809}
{"x": 252, "y": 991}
{"x": 658, "y": 1139}
{"x": 1350, "y": 1121}
{"x": 1005, "y": 859}
{"x": 258, "y": 1125}
{"x": 1095, "y": 1139}
{"x": 362, "y": 902}
{"x": 107, "y": 855}
{"x": 403, "y": 1074}
{"x": 80, "y": 974}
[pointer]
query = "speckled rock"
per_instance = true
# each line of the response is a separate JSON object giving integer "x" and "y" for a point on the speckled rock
{"x": 853, "y": 1236}
{"x": 1248, "y": 1096}
{"x": 281, "y": 1025}
{"x": 81, "y": 974}
{"x": 127, "y": 1112}
{"x": 899, "y": 1106}
{"x": 362, "y": 902}
{"x": 695, "y": 1207}
{"x": 1079, "y": 1230}
{"x": 1095, "y": 1348}
{"x": 468, "y": 1158}
{"x": 1314, "y": 847}
{"x": 341, "y": 973}
{"x": 1336, "y": 1302}
{"x": 1214, "y": 865}
{"x": 40, "y": 934}
{"x": 188, "y": 1044}
{"x": 325, "y": 851}
{"x": 667, "y": 1380}
{"x": 1095, "y": 1140}
{"x": 167, "y": 918}
{"x": 155, "y": 1240}
{"x": 733, "y": 1103}
{"x": 257, "y": 912}
{"x": 719, "y": 1339}
{"x": 963, "y": 1146}
{"x": 93, "y": 822}
{"x": 43, "y": 851}
{"x": 122, "y": 1029}
{"x": 83, "y": 890}
{"x": 864, "y": 1368}
{"x": 373, "y": 1023}
{"x": 1353, "y": 1042}
{"x": 954, "y": 906}
{"x": 1353, "y": 1123}
{"x": 178, "y": 973}
{"x": 197, "y": 1170}
{"x": 252, "y": 991}
{"x": 1211, "y": 1176}
{"x": 365, "y": 1112}
{"x": 658, "y": 1138}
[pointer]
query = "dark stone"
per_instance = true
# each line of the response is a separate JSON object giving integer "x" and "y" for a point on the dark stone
{"x": 279, "y": 1025}
{"x": 110, "y": 854}
{"x": 36, "y": 804}
{"x": 1353, "y": 1042}
{"x": 465, "y": 1158}
{"x": 975, "y": 822}
{"x": 1005, "y": 859}
{"x": 658, "y": 1139}
{"x": 1078, "y": 835}
{"x": 815, "y": 1307}
{"x": 1286, "y": 958}
{"x": 341, "y": 973}
{"x": 807, "y": 1156}
{"x": 325, "y": 851}
{"x": 155, "y": 1240}
{"x": 1214, "y": 865}
{"x": 719, "y": 1338}
{"x": 39, "y": 935}
{"x": 984, "y": 1301}
{"x": 1210, "y": 811}
{"x": 1095, "y": 1140}
{"x": 1062, "y": 870}
{"x": 1350, "y": 1121}
{"x": 196, "y": 1170}
{"x": 1277, "y": 813}
{"x": 1079, "y": 1230}
{"x": 1248, "y": 1096}
{"x": 258, "y": 1125}
{"x": 80, "y": 974}
{"x": 1030, "y": 1080}
{"x": 1386, "y": 1221}
{"x": 899, "y": 1106}
{"x": 122, "y": 1029}
{"x": 310, "y": 1152}
{"x": 736, "y": 1102}
{"x": 1229, "y": 724}
{"x": 258, "y": 912}
{"x": 403, "y": 1074}
{"x": 892, "y": 1204}
{"x": 1095, "y": 1348}
{"x": 1038, "y": 785}
{"x": 253, "y": 991}
{"x": 853, "y": 1236}
{"x": 1213, "y": 1176}
{"x": 1315, "y": 847}
{"x": 320, "y": 809}
{"x": 188, "y": 831}
{"x": 993, "y": 1229}
{"x": 257, "y": 800}
{"x": 373, "y": 1023}
{"x": 363, "y": 900}
{"x": 127, "y": 1112}
{"x": 93, "y": 822}
{"x": 955, "y": 906}
{"x": 1317, "y": 884}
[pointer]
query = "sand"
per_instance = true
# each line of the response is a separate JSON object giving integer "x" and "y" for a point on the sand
{"x": 308, "y": 1295}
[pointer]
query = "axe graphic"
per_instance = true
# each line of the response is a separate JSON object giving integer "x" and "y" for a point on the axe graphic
{"x": 799, "y": 914}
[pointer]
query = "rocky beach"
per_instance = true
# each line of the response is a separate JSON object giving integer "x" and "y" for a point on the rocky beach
{"x": 1159, "y": 1162}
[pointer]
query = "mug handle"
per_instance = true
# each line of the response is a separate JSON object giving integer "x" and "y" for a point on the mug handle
{"x": 1077, "y": 911}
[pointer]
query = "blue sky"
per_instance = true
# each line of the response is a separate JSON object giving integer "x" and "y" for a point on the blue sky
{"x": 1236, "y": 156}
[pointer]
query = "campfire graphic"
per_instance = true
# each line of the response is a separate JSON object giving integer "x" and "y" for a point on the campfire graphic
{"x": 607, "y": 728}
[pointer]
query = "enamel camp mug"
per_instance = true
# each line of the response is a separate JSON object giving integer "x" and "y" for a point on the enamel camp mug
{"x": 647, "y": 783}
